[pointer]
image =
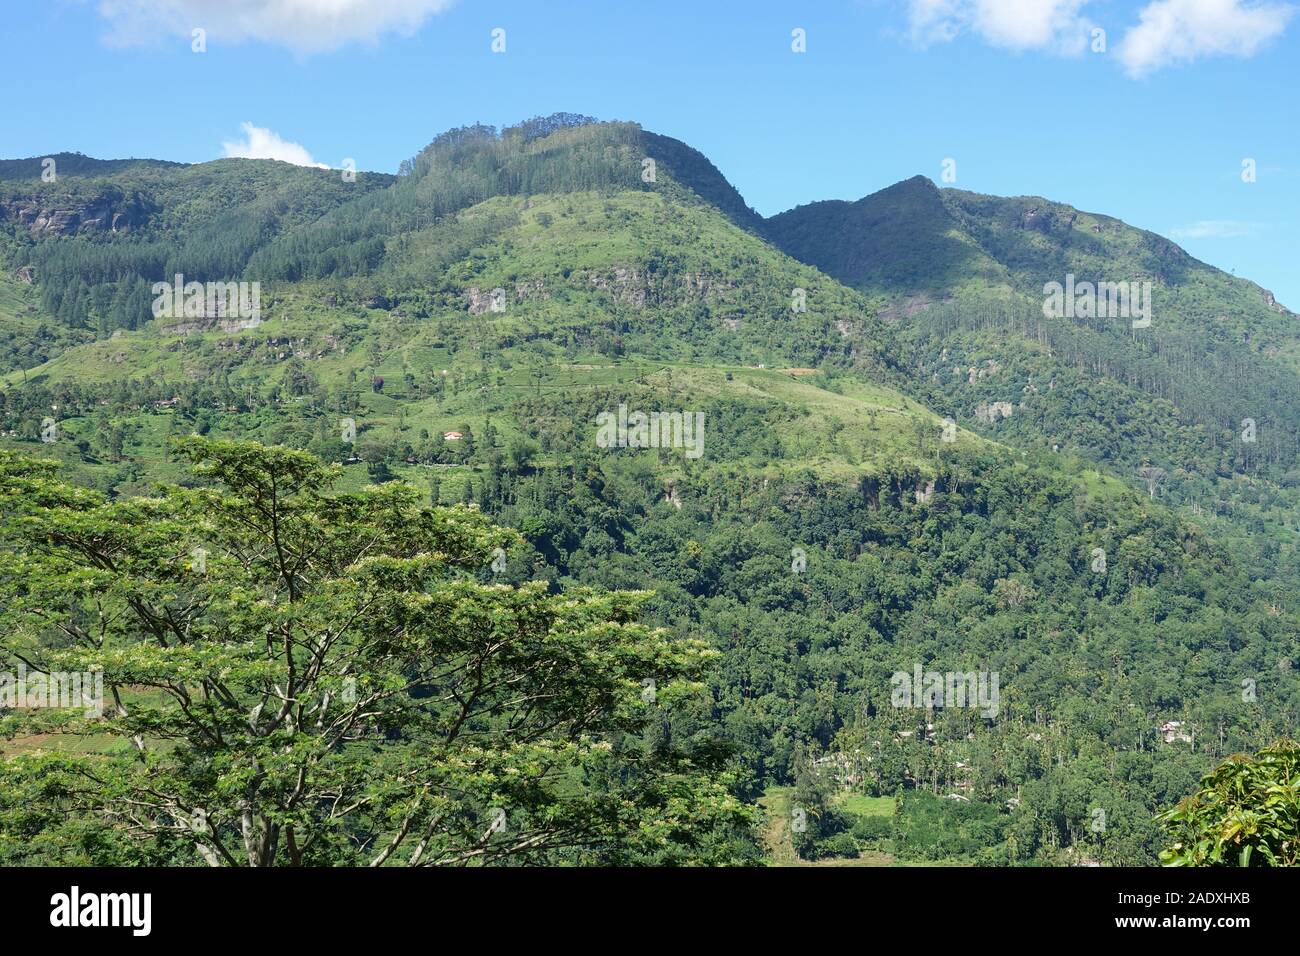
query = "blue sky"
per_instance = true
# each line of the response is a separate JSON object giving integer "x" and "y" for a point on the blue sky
{"x": 1153, "y": 130}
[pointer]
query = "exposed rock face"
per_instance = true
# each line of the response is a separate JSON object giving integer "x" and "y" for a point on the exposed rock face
{"x": 924, "y": 493}
{"x": 990, "y": 367}
{"x": 1049, "y": 220}
{"x": 631, "y": 286}
{"x": 700, "y": 285}
{"x": 66, "y": 216}
{"x": 531, "y": 289}
{"x": 208, "y": 324}
{"x": 1037, "y": 219}
{"x": 994, "y": 411}
{"x": 480, "y": 300}
{"x": 626, "y": 285}
{"x": 672, "y": 497}
{"x": 1272, "y": 303}
{"x": 907, "y": 307}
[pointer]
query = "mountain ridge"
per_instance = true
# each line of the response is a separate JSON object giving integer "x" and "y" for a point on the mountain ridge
{"x": 872, "y": 494}
{"x": 707, "y": 181}
{"x": 926, "y": 259}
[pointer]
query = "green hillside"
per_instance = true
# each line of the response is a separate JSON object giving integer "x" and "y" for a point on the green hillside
{"x": 472, "y": 318}
{"x": 1205, "y": 396}
{"x": 904, "y": 242}
{"x": 74, "y": 164}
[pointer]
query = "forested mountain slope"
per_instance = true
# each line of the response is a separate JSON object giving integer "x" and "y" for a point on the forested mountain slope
{"x": 471, "y": 319}
{"x": 903, "y": 242}
{"x": 1199, "y": 400}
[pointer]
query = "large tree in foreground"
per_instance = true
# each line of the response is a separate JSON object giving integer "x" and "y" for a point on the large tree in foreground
{"x": 307, "y": 677}
{"x": 1246, "y": 813}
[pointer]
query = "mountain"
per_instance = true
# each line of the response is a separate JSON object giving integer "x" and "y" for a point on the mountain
{"x": 74, "y": 164}
{"x": 1207, "y": 392}
{"x": 465, "y": 325}
{"x": 913, "y": 238}
{"x": 901, "y": 242}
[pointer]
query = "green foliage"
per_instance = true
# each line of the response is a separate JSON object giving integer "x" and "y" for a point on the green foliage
{"x": 333, "y": 682}
{"x": 663, "y": 295}
{"x": 152, "y": 221}
{"x": 1246, "y": 813}
{"x": 931, "y": 828}
{"x": 816, "y": 821}
{"x": 903, "y": 240}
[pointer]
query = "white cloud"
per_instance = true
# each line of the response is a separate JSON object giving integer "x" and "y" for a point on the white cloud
{"x": 305, "y": 26}
{"x": 262, "y": 143}
{"x": 936, "y": 21}
{"x": 1052, "y": 25}
{"x": 1213, "y": 229}
{"x": 1177, "y": 31}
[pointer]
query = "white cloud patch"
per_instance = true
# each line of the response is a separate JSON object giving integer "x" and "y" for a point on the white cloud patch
{"x": 304, "y": 26}
{"x": 936, "y": 21}
{"x": 262, "y": 143}
{"x": 1056, "y": 26}
{"x": 1213, "y": 229}
{"x": 1178, "y": 31}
